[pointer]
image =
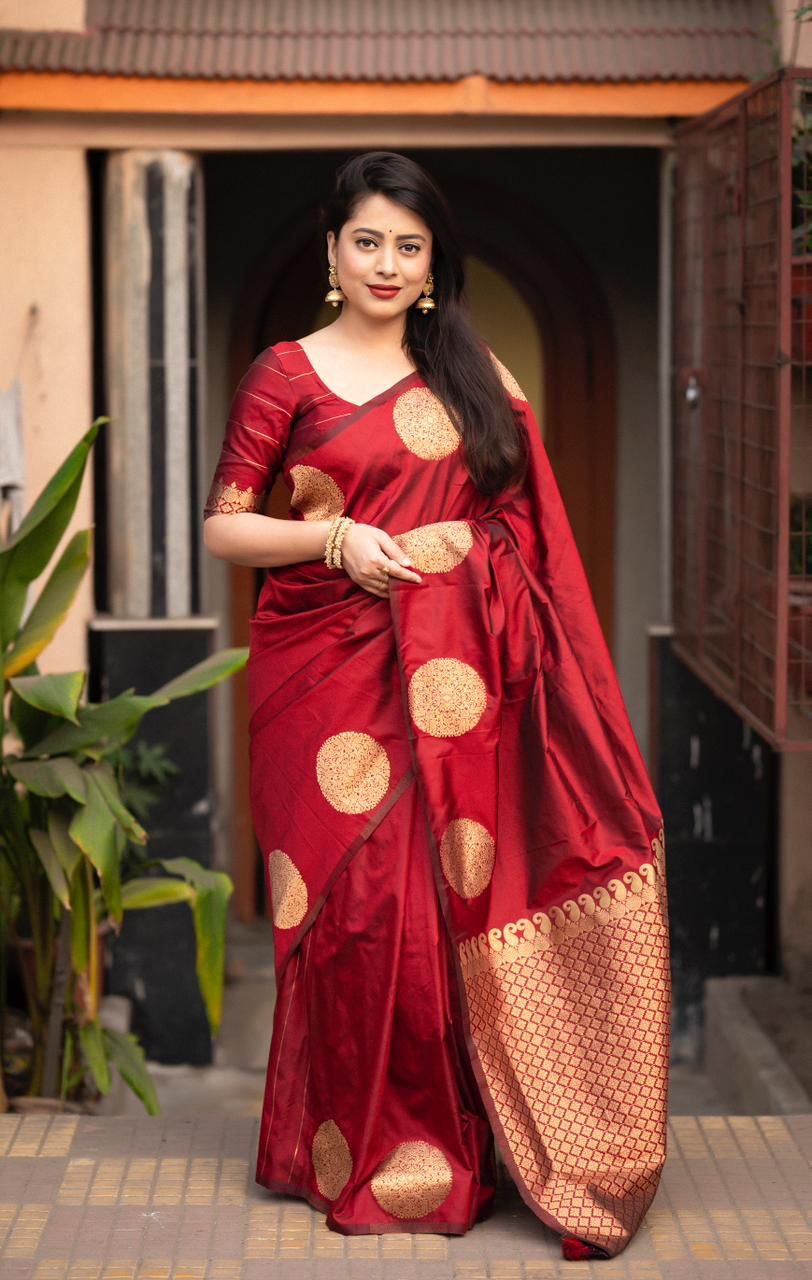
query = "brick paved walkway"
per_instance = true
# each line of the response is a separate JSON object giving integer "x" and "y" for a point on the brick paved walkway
{"x": 174, "y": 1198}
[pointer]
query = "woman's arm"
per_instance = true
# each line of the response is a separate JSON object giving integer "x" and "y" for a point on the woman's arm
{"x": 264, "y": 541}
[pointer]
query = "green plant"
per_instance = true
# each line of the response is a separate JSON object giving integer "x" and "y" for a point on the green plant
{"x": 68, "y": 817}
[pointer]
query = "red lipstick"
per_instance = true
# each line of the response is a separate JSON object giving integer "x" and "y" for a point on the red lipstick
{"x": 383, "y": 291}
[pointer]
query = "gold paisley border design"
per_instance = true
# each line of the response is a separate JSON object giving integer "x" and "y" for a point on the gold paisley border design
{"x": 567, "y": 920}
{"x": 227, "y": 498}
{"x": 574, "y": 1046}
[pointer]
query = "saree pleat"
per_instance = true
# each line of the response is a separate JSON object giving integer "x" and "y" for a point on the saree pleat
{"x": 369, "y": 1045}
{"x": 463, "y": 851}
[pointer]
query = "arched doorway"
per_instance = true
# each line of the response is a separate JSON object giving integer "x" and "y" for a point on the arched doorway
{"x": 543, "y": 314}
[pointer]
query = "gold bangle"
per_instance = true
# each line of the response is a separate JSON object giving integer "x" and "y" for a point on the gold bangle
{"x": 328, "y": 548}
{"x": 337, "y": 558}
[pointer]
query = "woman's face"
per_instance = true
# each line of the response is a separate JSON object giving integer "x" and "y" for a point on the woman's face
{"x": 382, "y": 244}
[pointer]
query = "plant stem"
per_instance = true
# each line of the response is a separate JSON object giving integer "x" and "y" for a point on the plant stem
{"x": 55, "y": 1032}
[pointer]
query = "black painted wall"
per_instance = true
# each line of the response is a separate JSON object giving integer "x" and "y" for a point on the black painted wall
{"x": 717, "y": 783}
{"x": 153, "y": 959}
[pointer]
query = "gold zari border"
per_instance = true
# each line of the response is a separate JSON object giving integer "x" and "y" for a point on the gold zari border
{"x": 545, "y": 929}
{"x": 228, "y": 499}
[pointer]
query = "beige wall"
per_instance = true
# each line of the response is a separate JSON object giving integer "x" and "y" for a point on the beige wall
{"x": 45, "y": 262}
{"x": 43, "y": 15}
{"x": 795, "y": 37}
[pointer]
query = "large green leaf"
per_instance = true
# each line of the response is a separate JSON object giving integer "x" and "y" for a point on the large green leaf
{"x": 127, "y": 1056}
{"x": 91, "y": 1040}
{"x": 58, "y": 695}
{"x": 218, "y": 666}
{"x": 53, "y": 867}
{"x": 102, "y": 726}
{"x": 108, "y": 784}
{"x": 60, "y": 776}
{"x": 93, "y": 828}
{"x": 29, "y": 724}
{"x": 155, "y": 891}
{"x": 80, "y": 918}
{"x": 30, "y": 547}
{"x": 68, "y": 853}
{"x": 213, "y": 889}
{"x": 58, "y": 487}
{"x": 52, "y": 604}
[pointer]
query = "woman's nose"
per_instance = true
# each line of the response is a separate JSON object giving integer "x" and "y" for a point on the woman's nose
{"x": 386, "y": 262}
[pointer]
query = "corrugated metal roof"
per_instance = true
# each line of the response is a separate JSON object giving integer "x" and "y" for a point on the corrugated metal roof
{"x": 396, "y": 40}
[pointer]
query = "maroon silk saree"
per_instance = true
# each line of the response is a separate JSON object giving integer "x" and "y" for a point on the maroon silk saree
{"x": 463, "y": 851}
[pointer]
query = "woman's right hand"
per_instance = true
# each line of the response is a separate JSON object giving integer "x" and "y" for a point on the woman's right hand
{"x": 365, "y": 550}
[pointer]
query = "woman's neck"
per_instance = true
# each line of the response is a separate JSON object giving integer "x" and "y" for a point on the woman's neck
{"x": 373, "y": 335}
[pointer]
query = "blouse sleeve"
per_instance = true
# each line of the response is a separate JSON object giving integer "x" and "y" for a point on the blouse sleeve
{"x": 255, "y": 438}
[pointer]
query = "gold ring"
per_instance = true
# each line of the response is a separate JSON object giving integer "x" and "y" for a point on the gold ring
{"x": 385, "y": 568}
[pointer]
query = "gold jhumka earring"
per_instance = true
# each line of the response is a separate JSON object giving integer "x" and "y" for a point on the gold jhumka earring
{"x": 336, "y": 294}
{"x": 426, "y": 303}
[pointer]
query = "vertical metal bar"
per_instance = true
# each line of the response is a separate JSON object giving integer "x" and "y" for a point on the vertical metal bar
{"x": 157, "y": 386}
{"x": 737, "y": 486}
{"x": 705, "y": 397}
{"x": 784, "y": 376}
{"x": 666, "y": 374}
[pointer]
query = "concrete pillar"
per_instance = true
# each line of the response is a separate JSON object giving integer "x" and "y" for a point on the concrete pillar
{"x": 153, "y": 269}
{"x": 154, "y": 333}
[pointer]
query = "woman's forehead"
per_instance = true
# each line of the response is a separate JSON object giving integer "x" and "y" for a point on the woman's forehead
{"x": 376, "y": 212}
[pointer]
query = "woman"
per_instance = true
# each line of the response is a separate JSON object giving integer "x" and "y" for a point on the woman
{"x": 463, "y": 851}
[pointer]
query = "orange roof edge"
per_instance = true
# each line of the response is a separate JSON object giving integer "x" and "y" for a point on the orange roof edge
{"x": 66, "y": 92}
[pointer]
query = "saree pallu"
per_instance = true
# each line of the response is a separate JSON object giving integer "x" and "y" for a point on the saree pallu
{"x": 464, "y": 854}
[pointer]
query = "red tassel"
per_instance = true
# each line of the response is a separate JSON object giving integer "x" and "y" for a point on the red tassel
{"x": 575, "y": 1250}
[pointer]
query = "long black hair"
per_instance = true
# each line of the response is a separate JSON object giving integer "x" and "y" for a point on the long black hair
{"x": 447, "y": 351}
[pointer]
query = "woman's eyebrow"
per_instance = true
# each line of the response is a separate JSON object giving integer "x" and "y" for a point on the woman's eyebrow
{"x": 413, "y": 236}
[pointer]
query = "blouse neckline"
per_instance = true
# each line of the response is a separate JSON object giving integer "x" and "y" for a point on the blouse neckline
{"x": 364, "y": 403}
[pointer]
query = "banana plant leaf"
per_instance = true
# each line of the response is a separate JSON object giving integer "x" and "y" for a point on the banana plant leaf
{"x": 92, "y": 1043}
{"x": 93, "y": 828}
{"x": 102, "y": 726}
{"x": 60, "y": 776}
{"x": 154, "y": 891}
{"x": 218, "y": 666}
{"x": 57, "y": 695}
{"x": 126, "y": 1055}
{"x": 30, "y": 547}
{"x": 212, "y": 892}
{"x": 52, "y": 604}
{"x": 52, "y": 866}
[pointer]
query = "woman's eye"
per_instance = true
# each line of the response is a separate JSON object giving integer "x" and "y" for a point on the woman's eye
{"x": 365, "y": 241}
{"x": 416, "y": 247}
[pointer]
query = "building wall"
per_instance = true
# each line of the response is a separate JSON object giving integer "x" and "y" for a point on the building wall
{"x": 45, "y": 263}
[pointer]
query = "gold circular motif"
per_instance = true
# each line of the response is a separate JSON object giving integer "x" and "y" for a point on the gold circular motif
{"x": 437, "y": 548}
{"x": 288, "y": 891}
{"x": 352, "y": 771}
{"x": 467, "y": 854}
{"x": 413, "y": 1180}
{"x": 424, "y": 426}
{"x": 315, "y": 494}
{"x": 508, "y": 381}
{"x": 332, "y": 1161}
{"x": 447, "y": 697}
